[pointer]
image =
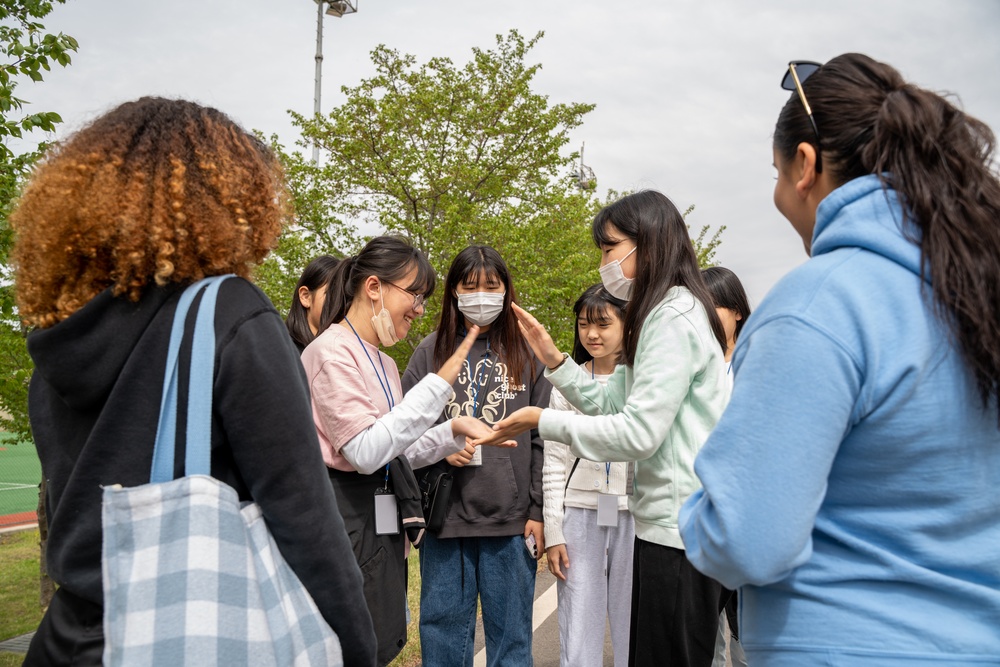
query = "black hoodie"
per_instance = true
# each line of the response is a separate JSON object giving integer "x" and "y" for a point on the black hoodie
{"x": 94, "y": 402}
{"x": 497, "y": 498}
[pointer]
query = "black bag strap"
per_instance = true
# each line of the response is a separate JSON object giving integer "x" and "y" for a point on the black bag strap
{"x": 570, "y": 475}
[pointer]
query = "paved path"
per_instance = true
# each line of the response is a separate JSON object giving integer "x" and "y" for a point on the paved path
{"x": 545, "y": 627}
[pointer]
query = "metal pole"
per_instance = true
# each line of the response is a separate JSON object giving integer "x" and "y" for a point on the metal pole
{"x": 319, "y": 71}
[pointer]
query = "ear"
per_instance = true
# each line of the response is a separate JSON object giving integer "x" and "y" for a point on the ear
{"x": 804, "y": 167}
{"x": 372, "y": 287}
{"x": 739, "y": 316}
{"x": 305, "y": 297}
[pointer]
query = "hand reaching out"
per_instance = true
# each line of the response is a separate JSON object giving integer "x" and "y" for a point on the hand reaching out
{"x": 471, "y": 428}
{"x": 519, "y": 421}
{"x": 537, "y": 338}
{"x": 453, "y": 366}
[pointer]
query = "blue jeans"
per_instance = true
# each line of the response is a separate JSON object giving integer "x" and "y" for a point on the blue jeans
{"x": 454, "y": 572}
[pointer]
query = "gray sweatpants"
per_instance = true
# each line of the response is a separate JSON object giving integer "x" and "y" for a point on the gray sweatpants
{"x": 588, "y": 597}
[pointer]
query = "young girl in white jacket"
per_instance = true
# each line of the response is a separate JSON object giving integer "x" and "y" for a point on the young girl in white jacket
{"x": 598, "y": 587}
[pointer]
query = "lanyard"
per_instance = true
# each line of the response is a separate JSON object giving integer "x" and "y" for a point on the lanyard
{"x": 386, "y": 389}
{"x": 479, "y": 381}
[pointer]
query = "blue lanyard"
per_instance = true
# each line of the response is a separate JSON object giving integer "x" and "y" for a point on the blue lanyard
{"x": 386, "y": 389}
{"x": 479, "y": 378}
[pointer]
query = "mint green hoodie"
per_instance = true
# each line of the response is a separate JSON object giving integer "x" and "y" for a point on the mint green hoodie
{"x": 658, "y": 412}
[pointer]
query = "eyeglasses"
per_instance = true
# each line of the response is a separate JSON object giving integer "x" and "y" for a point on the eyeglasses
{"x": 418, "y": 299}
{"x": 798, "y": 72}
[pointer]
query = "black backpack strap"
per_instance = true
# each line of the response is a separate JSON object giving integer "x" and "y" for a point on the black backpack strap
{"x": 570, "y": 476}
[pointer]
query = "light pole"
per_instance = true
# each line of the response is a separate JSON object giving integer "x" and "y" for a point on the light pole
{"x": 336, "y": 8}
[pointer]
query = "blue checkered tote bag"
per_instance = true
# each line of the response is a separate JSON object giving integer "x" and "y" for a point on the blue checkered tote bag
{"x": 191, "y": 575}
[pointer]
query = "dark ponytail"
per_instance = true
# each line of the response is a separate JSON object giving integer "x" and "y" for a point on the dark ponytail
{"x": 388, "y": 258}
{"x": 938, "y": 159}
{"x": 316, "y": 274}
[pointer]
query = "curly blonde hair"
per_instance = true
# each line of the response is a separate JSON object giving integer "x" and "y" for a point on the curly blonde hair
{"x": 155, "y": 191}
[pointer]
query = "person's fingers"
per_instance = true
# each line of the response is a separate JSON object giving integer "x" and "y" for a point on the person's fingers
{"x": 523, "y": 315}
{"x": 466, "y": 344}
{"x": 554, "y": 568}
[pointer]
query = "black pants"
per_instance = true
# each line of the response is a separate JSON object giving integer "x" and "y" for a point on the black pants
{"x": 71, "y": 633}
{"x": 675, "y": 610}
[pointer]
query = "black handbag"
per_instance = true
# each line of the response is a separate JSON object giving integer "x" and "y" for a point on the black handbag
{"x": 435, "y": 493}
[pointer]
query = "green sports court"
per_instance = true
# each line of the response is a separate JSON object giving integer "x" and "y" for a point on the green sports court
{"x": 20, "y": 474}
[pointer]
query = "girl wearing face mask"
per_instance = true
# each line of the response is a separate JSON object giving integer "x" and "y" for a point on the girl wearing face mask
{"x": 370, "y": 436}
{"x": 656, "y": 409}
{"x": 496, "y": 499}
{"x": 587, "y": 521}
{"x": 307, "y": 301}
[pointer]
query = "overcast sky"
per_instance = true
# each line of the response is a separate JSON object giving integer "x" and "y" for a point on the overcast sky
{"x": 686, "y": 90}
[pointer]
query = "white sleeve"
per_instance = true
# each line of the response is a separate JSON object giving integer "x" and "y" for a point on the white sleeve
{"x": 554, "y": 479}
{"x": 409, "y": 423}
{"x": 434, "y": 445}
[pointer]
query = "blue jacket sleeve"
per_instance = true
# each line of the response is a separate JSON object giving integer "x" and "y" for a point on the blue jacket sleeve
{"x": 765, "y": 467}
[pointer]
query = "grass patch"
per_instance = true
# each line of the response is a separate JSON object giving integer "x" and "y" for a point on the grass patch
{"x": 410, "y": 655}
{"x": 19, "y": 584}
{"x": 21, "y": 612}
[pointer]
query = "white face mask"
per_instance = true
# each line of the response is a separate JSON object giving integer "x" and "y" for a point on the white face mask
{"x": 481, "y": 308}
{"x": 382, "y": 323}
{"x": 614, "y": 279}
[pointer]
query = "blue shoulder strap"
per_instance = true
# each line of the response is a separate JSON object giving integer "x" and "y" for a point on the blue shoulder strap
{"x": 197, "y": 460}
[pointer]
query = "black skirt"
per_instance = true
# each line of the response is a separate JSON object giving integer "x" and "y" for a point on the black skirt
{"x": 380, "y": 557}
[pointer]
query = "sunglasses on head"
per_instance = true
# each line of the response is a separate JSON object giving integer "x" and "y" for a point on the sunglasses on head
{"x": 798, "y": 72}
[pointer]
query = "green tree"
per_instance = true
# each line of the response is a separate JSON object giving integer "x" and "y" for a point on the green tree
{"x": 450, "y": 155}
{"x": 27, "y": 51}
{"x": 316, "y": 229}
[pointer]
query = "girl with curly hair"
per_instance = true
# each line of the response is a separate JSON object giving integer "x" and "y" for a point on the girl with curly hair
{"x": 116, "y": 221}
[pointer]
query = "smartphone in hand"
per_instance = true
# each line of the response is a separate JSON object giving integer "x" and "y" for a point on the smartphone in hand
{"x": 531, "y": 545}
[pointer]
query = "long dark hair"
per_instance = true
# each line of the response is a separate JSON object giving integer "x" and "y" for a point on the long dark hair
{"x": 938, "y": 160}
{"x": 594, "y": 305}
{"x": 727, "y": 292}
{"x": 388, "y": 258}
{"x": 316, "y": 274}
{"x": 664, "y": 259}
{"x": 504, "y": 336}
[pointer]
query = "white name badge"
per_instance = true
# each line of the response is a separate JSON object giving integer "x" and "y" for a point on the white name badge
{"x": 386, "y": 516}
{"x": 477, "y": 458}
{"x": 607, "y": 510}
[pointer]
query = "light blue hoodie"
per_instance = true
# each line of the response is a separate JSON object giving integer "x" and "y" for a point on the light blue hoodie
{"x": 852, "y": 487}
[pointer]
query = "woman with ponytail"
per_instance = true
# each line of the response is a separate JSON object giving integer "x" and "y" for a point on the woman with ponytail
{"x": 850, "y": 486}
{"x": 369, "y": 434}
